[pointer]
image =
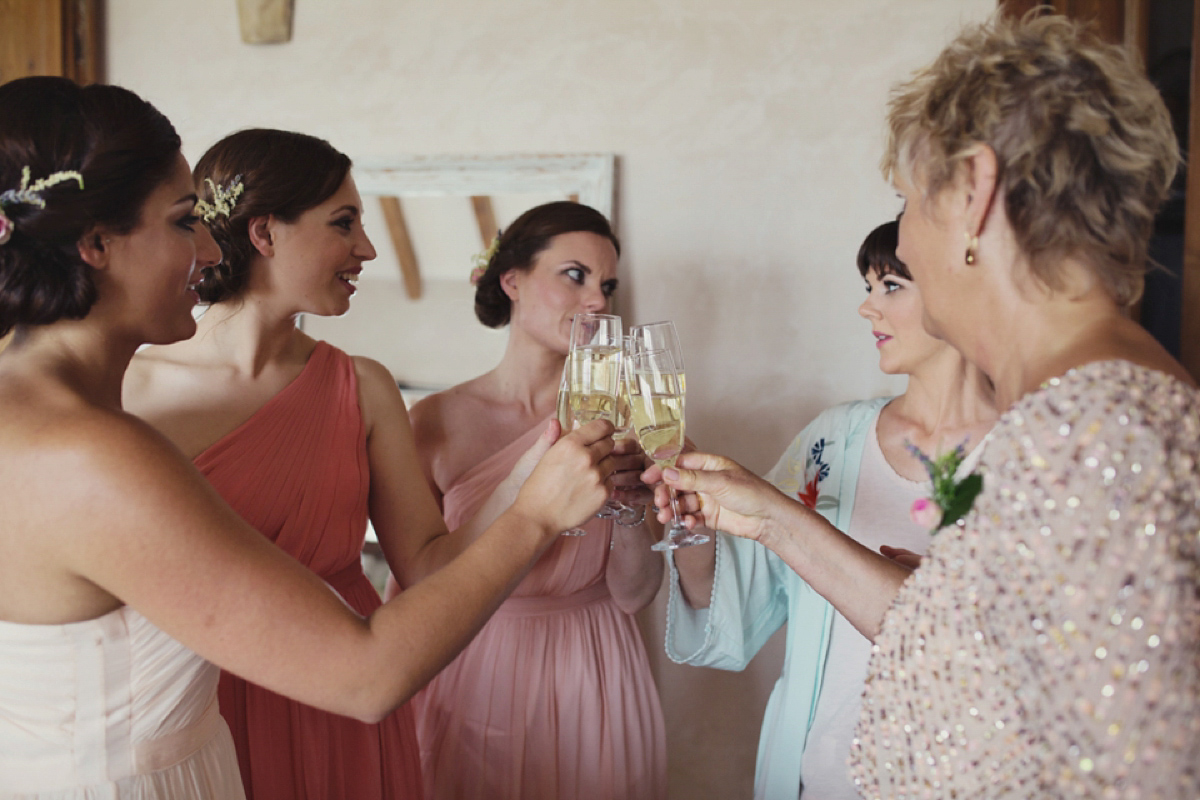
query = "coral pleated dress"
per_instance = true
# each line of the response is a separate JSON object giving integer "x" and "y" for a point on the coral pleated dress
{"x": 297, "y": 471}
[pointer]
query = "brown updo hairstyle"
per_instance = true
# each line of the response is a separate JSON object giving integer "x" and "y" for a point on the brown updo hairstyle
{"x": 283, "y": 174}
{"x": 124, "y": 149}
{"x": 1083, "y": 141}
{"x": 878, "y": 253}
{"x": 520, "y": 245}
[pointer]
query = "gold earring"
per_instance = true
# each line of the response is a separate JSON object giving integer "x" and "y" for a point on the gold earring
{"x": 972, "y": 246}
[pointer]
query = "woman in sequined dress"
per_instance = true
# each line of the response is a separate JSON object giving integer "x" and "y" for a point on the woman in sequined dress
{"x": 1050, "y": 645}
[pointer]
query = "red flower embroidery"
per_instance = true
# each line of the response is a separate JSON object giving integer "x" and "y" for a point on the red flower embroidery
{"x": 809, "y": 495}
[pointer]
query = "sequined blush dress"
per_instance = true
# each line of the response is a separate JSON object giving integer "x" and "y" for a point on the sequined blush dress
{"x": 297, "y": 471}
{"x": 1051, "y": 646}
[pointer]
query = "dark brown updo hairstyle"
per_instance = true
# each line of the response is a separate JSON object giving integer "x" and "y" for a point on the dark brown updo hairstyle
{"x": 878, "y": 253}
{"x": 124, "y": 149}
{"x": 283, "y": 174}
{"x": 520, "y": 245}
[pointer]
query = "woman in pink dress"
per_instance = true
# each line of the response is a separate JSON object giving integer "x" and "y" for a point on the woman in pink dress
{"x": 554, "y": 698}
{"x": 303, "y": 440}
{"x": 122, "y": 573}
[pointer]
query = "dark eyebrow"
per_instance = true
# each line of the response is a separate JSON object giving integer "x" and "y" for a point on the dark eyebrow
{"x": 579, "y": 264}
{"x": 187, "y": 198}
{"x": 353, "y": 209}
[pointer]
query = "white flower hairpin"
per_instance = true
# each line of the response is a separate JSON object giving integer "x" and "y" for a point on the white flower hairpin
{"x": 30, "y": 194}
{"x": 483, "y": 259}
{"x": 224, "y": 199}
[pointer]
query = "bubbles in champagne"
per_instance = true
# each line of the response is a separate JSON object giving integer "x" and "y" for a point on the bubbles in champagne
{"x": 591, "y": 406}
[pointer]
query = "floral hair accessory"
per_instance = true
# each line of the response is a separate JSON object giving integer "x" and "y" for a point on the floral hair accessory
{"x": 483, "y": 259}
{"x": 224, "y": 199}
{"x": 951, "y": 499}
{"x": 28, "y": 194}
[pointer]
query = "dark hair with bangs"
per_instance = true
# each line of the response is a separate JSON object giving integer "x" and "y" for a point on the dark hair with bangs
{"x": 878, "y": 252}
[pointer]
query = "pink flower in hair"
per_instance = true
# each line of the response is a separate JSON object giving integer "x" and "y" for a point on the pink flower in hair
{"x": 6, "y": 228}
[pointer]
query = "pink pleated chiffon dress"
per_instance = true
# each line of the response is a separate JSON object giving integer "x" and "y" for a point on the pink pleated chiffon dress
{"x": 554, "y": 698}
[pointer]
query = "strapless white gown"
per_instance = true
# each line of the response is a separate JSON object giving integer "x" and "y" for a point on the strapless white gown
{"x": 110, "y": 709}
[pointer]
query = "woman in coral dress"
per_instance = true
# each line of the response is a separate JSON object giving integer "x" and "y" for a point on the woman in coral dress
{"x": 554, "y": 698}
{"x": 302, "y": 440}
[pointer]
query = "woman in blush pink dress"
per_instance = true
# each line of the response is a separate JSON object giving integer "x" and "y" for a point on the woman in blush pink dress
{"x": 554, "y": 698}
{"x": 303, "y": 440}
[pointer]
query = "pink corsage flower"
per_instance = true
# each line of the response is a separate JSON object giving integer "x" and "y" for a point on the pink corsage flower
{"x": 6, "y": 228}
{"x": 952, "y": 498}
{"x": 926, "y": 513}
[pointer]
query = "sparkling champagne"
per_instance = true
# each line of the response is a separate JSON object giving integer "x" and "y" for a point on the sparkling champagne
{"x": 562, "y": 408}
{"x": 657, "y": 421}
{"x": 593, "y": 375}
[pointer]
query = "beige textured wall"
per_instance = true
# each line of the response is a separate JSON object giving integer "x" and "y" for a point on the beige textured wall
{"x": 747, "y": 132}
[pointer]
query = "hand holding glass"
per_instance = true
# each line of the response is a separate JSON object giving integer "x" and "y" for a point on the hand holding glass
{"x": 591, "y": 376}
{"x": 656, "y": 411}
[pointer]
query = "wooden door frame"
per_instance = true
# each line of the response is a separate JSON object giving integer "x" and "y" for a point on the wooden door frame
{"x": 1189, "y": 345}
{"x": 1128, "y": 22}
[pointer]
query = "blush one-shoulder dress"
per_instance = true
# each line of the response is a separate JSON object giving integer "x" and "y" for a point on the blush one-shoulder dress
{"x": 110, "y": 708}
{"x": 554, "y": 698}
{"x": 297, "y": 471}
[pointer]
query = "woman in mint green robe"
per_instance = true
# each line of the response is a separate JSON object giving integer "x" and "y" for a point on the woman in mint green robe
{"x": 754, "y": 592}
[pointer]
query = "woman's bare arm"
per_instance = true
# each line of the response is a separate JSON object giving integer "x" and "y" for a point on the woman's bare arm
{"x": 725, "y": 496}
{"x": 158, "y": 537}
{"x": 405, "y": 511}
{"x": 634, "y": 571}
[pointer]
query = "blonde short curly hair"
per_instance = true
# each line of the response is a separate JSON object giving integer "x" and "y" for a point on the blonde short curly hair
{"x": 1084, "y": 142}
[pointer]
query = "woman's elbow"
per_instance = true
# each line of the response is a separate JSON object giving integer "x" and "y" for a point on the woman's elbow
{"x": 631, "y": 602}
{"x": 374, "y": 701}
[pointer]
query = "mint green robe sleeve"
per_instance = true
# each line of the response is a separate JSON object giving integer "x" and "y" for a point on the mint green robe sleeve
{"x": 754, "y": 593}
{"x": 748, "y": 603}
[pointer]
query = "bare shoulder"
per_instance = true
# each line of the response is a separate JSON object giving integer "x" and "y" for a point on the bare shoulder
{"x": 444, "y": 421}
{"x": 81, "y": 486}
{"x": 158, "y": 376}
{"x": 378, "y": 396}
{"x": 115, "y": 449}
{"x": 432, "y": 420}
{"x": 372, "y": 375}
{"x": 456, "y": 408}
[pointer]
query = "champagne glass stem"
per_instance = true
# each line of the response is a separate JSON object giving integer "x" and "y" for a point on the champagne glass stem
{"x": 677, "y": 535}
{"x": 676, "y": 519}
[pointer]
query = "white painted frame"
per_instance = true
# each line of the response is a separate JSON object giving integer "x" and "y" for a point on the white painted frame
{"x": 589, "y": 176}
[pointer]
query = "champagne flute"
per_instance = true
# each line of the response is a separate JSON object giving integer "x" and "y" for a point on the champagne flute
{"x": 591, "y": 376}
{"x": 563, "y": 412}
{"x": 659, "y": 336}
{"x": 613, "y": 508}
{"x": 656, "y": 408}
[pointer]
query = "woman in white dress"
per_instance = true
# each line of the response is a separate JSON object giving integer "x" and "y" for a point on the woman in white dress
{"x": 122, "y": 573}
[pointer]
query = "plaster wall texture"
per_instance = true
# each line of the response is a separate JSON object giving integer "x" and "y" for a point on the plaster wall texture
{"x": 747, "y": 136}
